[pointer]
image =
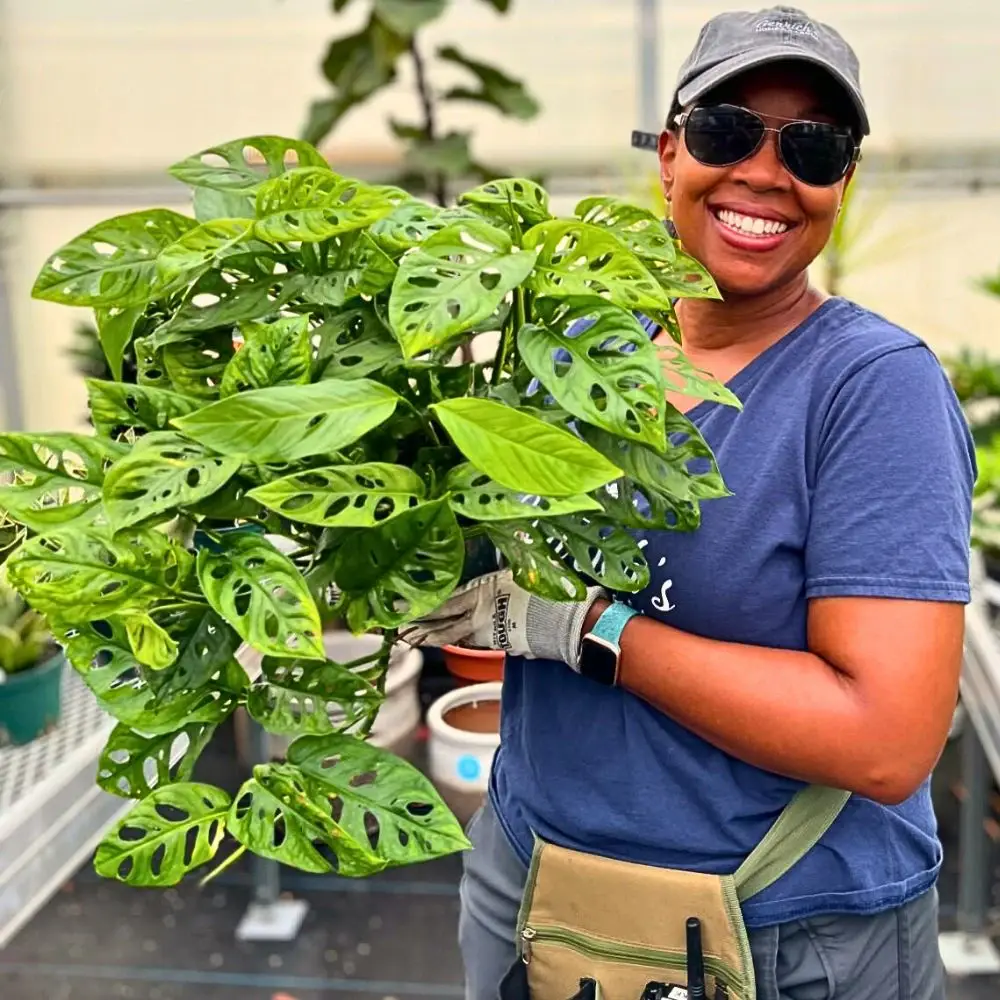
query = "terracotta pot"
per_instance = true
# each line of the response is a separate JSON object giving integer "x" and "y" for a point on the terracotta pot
{"x": 474, "y": 666}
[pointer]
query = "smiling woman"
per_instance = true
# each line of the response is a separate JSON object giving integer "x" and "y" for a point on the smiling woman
{"x": 775, "y": 722}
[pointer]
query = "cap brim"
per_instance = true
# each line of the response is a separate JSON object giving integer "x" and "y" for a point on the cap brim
{"x": 737, "y": 65}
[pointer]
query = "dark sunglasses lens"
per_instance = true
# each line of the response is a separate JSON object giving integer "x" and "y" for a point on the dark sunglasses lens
{"x": 817, "y": 154}
{"x": 720, "y": 136}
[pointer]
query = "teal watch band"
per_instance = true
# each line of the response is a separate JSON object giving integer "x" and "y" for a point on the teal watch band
{"x": 600, "y": 648}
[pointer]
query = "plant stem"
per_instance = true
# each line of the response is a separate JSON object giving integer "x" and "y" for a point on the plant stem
{"x": 428, "y": 424}
{"x": 231, "y": 860}
{"x": 438, "y": 181}
{"x": 388, "y": 641}
{"x": 508, "y": 336}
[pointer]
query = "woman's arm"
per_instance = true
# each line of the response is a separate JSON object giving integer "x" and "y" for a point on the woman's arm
{"x": 867, "y": 708}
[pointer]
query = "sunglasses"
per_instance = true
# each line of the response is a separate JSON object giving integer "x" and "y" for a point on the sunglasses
{"x": 722, "y": 135}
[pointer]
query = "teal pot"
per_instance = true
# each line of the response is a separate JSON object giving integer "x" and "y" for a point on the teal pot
{"x": 31, "y": 701}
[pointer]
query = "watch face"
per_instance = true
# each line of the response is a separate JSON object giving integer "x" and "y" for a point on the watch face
{"x": 598, "y": 660}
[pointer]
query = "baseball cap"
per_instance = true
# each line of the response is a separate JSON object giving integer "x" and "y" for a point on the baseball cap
{"x": 736, "y": 41}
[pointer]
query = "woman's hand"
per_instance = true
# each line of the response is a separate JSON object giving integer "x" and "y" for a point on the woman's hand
{"x": 493, "y": 612}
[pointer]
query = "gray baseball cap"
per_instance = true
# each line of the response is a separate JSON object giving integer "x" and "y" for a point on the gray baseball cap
{"x": 736, "y": 41}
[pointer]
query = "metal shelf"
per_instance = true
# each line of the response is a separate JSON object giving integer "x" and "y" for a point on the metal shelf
{"x": 52, "y": 814}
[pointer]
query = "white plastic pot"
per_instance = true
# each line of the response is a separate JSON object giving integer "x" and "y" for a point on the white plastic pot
{"x": 460, "y": 758}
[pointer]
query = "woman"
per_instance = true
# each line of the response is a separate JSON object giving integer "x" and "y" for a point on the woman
{"x": 811, "y": 630}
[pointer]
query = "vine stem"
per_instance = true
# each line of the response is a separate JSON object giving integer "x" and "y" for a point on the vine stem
{"x": 439, "y": 182}
{"x": 505, "y": 348}
{"x": 231, "y": 860}
{"x": 388, "y": 641}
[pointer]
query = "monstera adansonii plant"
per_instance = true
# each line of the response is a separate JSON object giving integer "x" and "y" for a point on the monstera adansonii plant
{"x": 303, "y": 445}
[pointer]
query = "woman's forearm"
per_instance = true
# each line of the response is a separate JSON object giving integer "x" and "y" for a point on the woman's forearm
{"x": 786, "y": 711}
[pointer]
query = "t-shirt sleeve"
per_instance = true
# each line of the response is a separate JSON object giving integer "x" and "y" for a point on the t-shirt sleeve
{"x": 892, "y": 491}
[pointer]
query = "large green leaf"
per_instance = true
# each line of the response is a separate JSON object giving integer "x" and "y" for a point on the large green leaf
{"x": 291, "y": 422}
{"x": 115, "y": 327}
{"x": 600, "y": 365}
{"x": 172, "y": 831}
{"x": 132, "y": 765}
{"x": 150, "y": 642}
{"x": 206, "y": 650}
{"x": 352, "y": 265}
{"x": 578, "y": 258}
{"x": 411, "y": 822}
{"x": 600, "y": 550}
{"x": 241, "y": 165}
{"x": 454, "y": 280}
{"x": 200, "y": 247}
{"x": 684, "y": 378}
{"x": 522, "y": 452}
{"x": 401, "y": 569}
{"x": 279, "y": 816}
{"x": 113, "y": 263}
{"x": 311, "y": 204}
{"x": 514, "y": 199}
{"x": 97, "y": 572}
{"x": 354, "y": 343}
{"x": 405, "y": 16}
{"x": 536, "y": 567}
{"x": 278, "y": 353}
{"x": 164, "y": 471}
{"x": 355, "y": 496}
{"x": 195, "y": 366}
{"x": 641, "y": 230}
{"x": 408, "y": 225}
{"x": 684, "y": 278}
{"x": 496, "y": 88}
{"x": 474, "y": 495}
{"x": 57, "y": 477}
{"x": 121, "y": 404}
{"x": 211, "y": 204}
{"x": 262, "y": 595}
{"x": 297, "y": 697}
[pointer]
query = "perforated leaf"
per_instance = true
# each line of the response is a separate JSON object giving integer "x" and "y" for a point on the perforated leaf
{"x": 358, "y": 496}
{"x": 496, "y": 88}
{"x": 291, "y": 422}
{"x": 210, "y": 204}
{"x": 385, "y": 801}
{"x": 298, "y": 697}
{"x": 262, "y": 595}
{"x": 206, "y": 648}
{"x": 98, "y": 573}
{"x": 354, "y": 343}
{"x": 522, "y": 452}
{"x": 132, "y": 765}
{"x": 200, "y": 246}
{"x": 683, "y": 377}
{"x": 164, "y": 471}
{"x": 278, "y": 816}
{"x": 310, "y": 205}
{"x": 577, "y": 258}
{"x": 642, "y": 231}
{"x": 407, "y": 225}
{"x": 57, "y": 477}
{"x": 600, "y": 550}
{"x": 113, "y": 263}
{"x": 353, "y": 265}
{"x": 121, "y": 404}
{"x": 115, "y": 327}
{"x": 149, "y": 365}
{"x": 474, "y": 495}
{"x": 535, "y": 565}
{"x": 514, "y": 199}
{"x": 194, "y": 367}
{"x": 684, "y": 278}
{"x": 401, "y": 569}
{"x": 172, "y": 831}
{"x": 599, "y": 364}
{"x": 241, "y": 165}
{"x": 454, "y": 280}
{"x": 278, "y": 353}
{"x": 151, "y": 643}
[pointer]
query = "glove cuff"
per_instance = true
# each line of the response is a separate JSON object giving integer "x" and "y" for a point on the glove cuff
{"x": 553, "y": 629}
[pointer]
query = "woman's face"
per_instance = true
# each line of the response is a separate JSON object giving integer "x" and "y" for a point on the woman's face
{"x": 760, "y": 187}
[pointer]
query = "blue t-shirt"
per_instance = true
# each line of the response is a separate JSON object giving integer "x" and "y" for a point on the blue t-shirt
{"x": 851, "y": 468}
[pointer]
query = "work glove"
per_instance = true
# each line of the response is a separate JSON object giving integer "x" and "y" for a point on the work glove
{"x": 493, "y": 612}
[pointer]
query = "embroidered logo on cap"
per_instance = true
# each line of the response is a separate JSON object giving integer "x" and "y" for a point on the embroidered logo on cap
{"x": 787, "y": 26}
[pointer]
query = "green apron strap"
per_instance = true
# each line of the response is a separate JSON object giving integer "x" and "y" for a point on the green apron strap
{"x": 795, "y": 832}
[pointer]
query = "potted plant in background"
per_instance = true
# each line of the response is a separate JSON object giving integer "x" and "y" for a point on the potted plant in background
{"x": 346, "y": 427}
{"x": 31, "y": 665}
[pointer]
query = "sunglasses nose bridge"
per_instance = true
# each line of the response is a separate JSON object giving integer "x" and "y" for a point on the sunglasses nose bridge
{"x": 765, "y": 164}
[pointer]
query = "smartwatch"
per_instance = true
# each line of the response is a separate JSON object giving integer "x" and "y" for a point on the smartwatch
{"x": 600, "y": 648}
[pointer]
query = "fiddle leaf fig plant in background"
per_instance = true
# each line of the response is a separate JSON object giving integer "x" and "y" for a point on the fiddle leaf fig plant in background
{"x": 302, "y": 442}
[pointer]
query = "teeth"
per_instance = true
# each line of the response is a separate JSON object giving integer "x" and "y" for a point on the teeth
{"x": 750, "y": 224}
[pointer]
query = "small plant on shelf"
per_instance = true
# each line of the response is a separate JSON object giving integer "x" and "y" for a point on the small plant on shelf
{"x": 345, "y": 430}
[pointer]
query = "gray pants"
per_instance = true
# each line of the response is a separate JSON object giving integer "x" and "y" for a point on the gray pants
{"x": 889, "y": 956}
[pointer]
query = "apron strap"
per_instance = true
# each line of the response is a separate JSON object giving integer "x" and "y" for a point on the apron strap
{"x": 795, "y": 832}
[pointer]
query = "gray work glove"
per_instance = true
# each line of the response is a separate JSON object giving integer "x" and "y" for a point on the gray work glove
{"x": 493, "y": 612}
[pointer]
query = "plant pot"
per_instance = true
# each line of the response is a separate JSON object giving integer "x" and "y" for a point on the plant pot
{"x": 464, "y": 727}
{"x": 31, "y": 701}
{"x": 474, "y": 666}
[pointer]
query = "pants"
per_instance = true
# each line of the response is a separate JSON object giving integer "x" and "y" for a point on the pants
{"x": 888, "y": 956}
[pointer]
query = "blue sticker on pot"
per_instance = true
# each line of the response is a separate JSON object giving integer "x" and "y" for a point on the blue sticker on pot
{"x": 468, "y": 767}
